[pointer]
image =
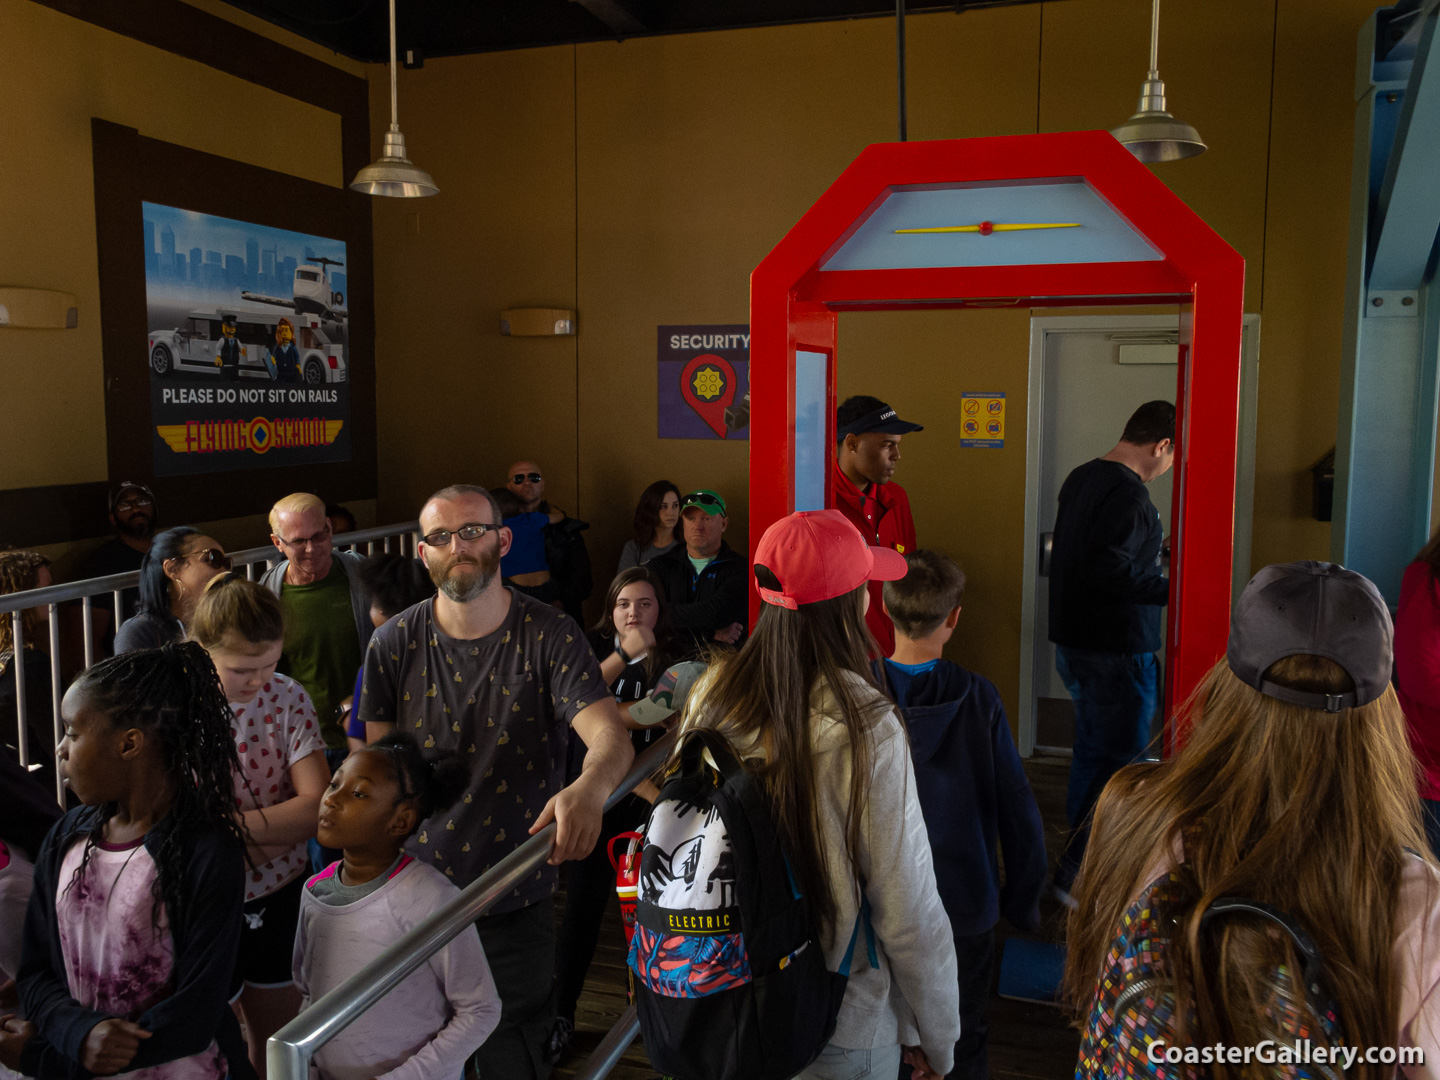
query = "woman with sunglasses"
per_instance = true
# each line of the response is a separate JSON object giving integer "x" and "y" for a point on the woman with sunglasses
{"x": 179, "y": 564}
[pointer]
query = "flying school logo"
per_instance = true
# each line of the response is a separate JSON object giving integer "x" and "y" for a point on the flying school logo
{"x": 259, "y": 434}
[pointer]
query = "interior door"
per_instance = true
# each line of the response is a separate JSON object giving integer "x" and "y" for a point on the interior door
{"x": 1088, "y": 395}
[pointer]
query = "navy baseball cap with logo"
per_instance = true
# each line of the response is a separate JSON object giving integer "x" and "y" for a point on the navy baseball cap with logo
{"x": 1319, "y": 609}
{"x": 882, "y": 419}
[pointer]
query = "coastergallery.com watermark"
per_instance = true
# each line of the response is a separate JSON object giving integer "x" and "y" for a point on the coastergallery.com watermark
{"x": 1277, "y": 1053}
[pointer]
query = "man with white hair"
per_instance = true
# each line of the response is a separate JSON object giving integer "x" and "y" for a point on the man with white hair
{"x": 502, "y": 680}
{"x": 327, "y": 610}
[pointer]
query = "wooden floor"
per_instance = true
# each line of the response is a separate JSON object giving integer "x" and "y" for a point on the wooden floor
{"x": 1027, "y": 1042}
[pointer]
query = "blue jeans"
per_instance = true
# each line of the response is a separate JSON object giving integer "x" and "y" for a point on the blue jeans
{"x": 837, "y": 1063}
{"x": 1115, "y": 697}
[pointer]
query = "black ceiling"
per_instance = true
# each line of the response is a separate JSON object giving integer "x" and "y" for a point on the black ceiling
{"x": 358, "y": 28}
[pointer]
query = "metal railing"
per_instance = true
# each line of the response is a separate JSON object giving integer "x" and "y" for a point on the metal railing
{"x": 402, "y": 536}
{"x": 289, "y": 1051}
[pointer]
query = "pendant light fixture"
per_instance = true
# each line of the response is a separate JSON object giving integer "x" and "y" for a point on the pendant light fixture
{"x": 393, "y": 174}
{"x": 1152, "y": 134}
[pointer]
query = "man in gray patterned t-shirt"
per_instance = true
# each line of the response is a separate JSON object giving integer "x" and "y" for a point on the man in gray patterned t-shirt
{"x": 501, "y": 679}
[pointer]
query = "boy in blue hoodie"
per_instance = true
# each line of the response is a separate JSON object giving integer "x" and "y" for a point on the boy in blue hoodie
{"x": 972, "y": 789}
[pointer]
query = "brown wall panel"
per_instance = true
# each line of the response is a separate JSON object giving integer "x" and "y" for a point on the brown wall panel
{"x": 457, "y": 401}
{"x": 1304, "y": 269}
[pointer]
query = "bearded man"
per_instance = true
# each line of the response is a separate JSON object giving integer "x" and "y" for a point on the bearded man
{"x": 500, "y": 679}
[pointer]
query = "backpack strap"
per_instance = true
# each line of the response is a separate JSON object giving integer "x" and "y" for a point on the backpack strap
{"x": 738, "y": 780}
{"x": 862, "y": 917}
{"x": 742, "y": 786}
{"x": 1310, "y": 958}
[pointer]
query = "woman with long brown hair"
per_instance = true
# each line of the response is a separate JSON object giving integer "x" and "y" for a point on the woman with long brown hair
{"x": 657, "y": 525}
{"x": 1295, "y": 790}
{"x": 799, "y": 706}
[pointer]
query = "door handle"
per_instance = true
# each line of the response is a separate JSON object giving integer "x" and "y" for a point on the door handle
{"x": 1047, "y": 546}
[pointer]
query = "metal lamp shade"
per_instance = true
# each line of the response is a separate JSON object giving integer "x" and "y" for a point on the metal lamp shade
{"x": 1158, "y": 136}
{"x": 393, "y": 174}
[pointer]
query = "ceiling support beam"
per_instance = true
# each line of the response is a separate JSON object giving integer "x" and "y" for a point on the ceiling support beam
{"x": 1390, "y": 367}
{"x": 616, "y": 15}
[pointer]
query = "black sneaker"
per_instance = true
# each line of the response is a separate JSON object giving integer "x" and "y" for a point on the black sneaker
{"x": 559, "y": 1042}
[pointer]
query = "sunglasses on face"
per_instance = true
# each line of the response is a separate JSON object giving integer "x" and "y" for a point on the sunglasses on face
{"x": 473, "y": 531}
{"x": 133, "y": 504}
{"x": 212, "y": 557}
{"x": 522, "y": 477}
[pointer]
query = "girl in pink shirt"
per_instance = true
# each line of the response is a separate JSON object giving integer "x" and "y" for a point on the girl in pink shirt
{"x": 132, "y": 928}
{"x": 1295, "y": 789}
{"x": 278, "y": 787}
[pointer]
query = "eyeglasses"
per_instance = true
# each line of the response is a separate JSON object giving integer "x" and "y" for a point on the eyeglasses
{"x": 472, "y": 531}
{"x": 308, "y": 541}
{"x": 131, "y": 504}
{"x": 212, "y": 557}
{"x": 702, "y": 498}
{"x": 521, "y": 477}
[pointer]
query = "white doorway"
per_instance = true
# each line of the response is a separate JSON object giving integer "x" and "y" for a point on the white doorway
{"x": 1087, "y": 375}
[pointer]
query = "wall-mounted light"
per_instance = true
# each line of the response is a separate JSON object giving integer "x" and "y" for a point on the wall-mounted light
{"x": 38, "y": 309}
{"x": 536, "y": 322}
{"x": 394, "y": 174}
{"x": 1152, "y": 134}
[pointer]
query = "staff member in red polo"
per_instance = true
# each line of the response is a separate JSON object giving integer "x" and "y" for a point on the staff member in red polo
{"x": 867, "y": 434}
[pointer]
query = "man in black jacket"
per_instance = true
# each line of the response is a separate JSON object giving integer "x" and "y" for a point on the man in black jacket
{"x": 704, "y": 581}
{"x": 1106, "y": 595}
{"x": 565, "y": 551}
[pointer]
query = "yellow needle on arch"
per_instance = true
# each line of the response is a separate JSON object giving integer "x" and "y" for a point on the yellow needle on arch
{"x": 997, "y": 227}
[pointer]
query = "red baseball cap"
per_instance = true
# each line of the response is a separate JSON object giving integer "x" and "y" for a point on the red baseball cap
{"x": 819, "y": 555}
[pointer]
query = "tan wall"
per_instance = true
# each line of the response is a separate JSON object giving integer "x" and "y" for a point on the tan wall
{"x": 57, "y": 73}
{"x": 641, "y": 182}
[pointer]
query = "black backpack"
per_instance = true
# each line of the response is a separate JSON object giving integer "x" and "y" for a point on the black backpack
{"x": 730, "y": 976}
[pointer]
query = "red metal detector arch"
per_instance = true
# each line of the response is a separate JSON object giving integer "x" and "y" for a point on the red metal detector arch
{"x": 1034, "y": 220}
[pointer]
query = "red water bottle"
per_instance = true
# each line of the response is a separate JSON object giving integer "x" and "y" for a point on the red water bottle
{"x": 627, "y": 878}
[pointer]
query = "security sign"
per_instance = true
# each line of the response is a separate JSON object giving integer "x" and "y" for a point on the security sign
{"x": 982, "y": 420}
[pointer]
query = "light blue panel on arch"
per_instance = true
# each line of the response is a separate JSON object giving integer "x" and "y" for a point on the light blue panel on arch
{"x": 1103, "y": 235}
{"x": 811, "y": 453}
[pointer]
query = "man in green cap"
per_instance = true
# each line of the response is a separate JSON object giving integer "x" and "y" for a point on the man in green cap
{"x": 704, "y": 581}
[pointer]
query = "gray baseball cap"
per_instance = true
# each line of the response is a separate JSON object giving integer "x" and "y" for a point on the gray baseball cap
{"x": 1314, "y": 608}
{"x": 669, "y": 694}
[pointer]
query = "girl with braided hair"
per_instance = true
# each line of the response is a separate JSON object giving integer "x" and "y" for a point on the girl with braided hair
{"x": 356, "y": 908}
{"x": 132, "y": 930}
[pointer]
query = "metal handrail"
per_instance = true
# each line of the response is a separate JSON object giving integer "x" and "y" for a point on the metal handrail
{"x": 289, "y": 1051}
{"x": 50, "y": 597}
{"x": 78, "y": 590}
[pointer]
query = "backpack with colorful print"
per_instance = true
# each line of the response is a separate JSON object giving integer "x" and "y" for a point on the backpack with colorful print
{"x": 730, "y": 977}
{"x": 1134, "y": 1006}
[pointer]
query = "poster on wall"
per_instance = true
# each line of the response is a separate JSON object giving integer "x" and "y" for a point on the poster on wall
{"x": 704, "y": 382}
{"x": 248, "y": 344}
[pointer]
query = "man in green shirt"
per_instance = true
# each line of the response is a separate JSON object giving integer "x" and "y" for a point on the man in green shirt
{"x": 327, "y": 612}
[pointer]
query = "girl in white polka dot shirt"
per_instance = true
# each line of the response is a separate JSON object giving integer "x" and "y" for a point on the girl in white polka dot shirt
{"x": 282, "y": 778}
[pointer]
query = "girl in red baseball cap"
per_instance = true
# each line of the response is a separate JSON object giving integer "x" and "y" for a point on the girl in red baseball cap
{"x": 800, "y": 707}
